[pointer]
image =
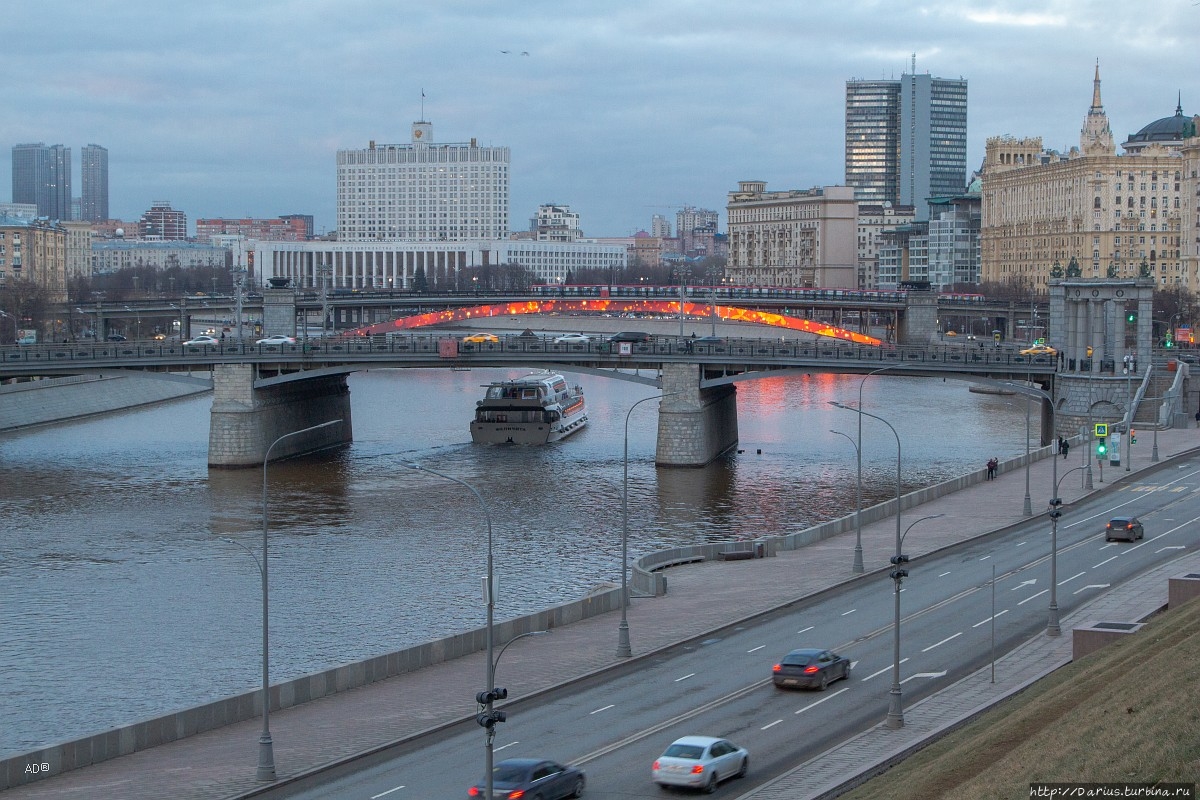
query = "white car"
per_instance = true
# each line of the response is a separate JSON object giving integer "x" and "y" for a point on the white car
{"x": 202, "y": 340}
{"x": 278, "y": 338}
{"x": 700, "y": 762}
{"x": 572, "y": 338}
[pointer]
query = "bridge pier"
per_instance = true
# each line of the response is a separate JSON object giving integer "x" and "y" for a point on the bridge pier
{"x": 695, "y": 425}
{"x": 245, "y": 420}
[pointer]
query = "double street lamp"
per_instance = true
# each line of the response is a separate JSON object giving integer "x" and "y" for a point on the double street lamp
{"x": 489, "y": 717}
{"x": 266, "y": 750}
{"x": 895, "y": 715}
{"x": 624, "y": 650}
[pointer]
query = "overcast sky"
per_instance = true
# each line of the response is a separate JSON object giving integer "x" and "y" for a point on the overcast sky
{"x": 621, "y": 109}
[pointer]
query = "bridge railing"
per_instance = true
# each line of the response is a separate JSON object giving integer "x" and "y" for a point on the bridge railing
{"x": 434, "y": 347}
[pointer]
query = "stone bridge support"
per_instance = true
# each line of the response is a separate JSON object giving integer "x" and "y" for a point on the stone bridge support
{"x": 695, "y": 425}
{"x": 245, "y": 421}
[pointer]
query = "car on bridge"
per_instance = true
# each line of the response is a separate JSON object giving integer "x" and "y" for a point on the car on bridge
{"x": 1039, "y": 350}
{"x": 278, "y": 338}
{"x": 630, "y": 336}
{"x": 572, "y": 338}
{"x": 203, "y": 340}
{"x": 481, "y": 338}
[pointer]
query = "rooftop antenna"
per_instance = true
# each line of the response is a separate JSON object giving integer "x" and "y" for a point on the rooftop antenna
{"x": 422, "y": 104}
{"x": 914, "y": 63}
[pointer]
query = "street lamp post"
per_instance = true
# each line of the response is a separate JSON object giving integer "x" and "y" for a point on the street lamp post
{"x": 266, "y": 751}
{"x": 624, "y": 650}
{"x": 490, "y": 716}
{"x": 239, "y": 282}
{"x": 895, "y": 715}
{"x": 858, "y": 550}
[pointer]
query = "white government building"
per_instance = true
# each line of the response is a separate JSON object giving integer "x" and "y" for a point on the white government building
{"x": 441, "y": 208}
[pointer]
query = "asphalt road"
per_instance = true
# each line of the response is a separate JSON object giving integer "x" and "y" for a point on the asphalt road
{"x": 614, "y": 726}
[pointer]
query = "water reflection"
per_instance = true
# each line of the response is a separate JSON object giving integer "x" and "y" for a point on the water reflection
{"x": 122, "y": 602}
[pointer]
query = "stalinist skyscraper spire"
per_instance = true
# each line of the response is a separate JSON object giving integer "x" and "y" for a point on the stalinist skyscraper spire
{"x": 1096, "y": 138}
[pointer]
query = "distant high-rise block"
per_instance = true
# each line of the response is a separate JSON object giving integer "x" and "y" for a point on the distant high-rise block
{"x": 94, "y": 173}
{"x": 41, "y": 175}
{"x": 906, "y": 140}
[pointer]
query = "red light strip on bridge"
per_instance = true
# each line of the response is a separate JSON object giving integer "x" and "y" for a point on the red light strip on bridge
{"x": 695, "y": 310}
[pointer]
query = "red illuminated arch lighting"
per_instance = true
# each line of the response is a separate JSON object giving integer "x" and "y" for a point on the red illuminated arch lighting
{"x": 701, "y": 310}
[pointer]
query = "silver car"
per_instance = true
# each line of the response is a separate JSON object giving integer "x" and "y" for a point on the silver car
{"x": 700, "y": 762}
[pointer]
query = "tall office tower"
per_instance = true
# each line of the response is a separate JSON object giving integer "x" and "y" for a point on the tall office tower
{"x": 422, "y": 191}
{"x": 873, "y": 141}
{"x": 660, "y": 227}
{"x": 94, "y": 172}
{"x": 906, "y": 140}
{"x": 41, "y": 175}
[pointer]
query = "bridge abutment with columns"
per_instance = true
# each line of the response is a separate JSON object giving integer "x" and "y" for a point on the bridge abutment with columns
{"x": 695, "y": 424}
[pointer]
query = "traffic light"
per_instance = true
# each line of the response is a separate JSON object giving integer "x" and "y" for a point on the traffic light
{"x": 1132, "y": 436}
{"x": 897, "y": 574}
{"x": 1056, "y": 507}
{"x": 900, "y": 559}
{"x": 1101, "y": 449}
{"x": 1131, "y": 317}
{"x": 488, "y": 719}
{"x": 498, "y": 693}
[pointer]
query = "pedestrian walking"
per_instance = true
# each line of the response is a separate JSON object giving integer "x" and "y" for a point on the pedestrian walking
{"x": 991, "y": 468}
{"x": 1066, "y": 445}
{"x": 1060, "y": 445}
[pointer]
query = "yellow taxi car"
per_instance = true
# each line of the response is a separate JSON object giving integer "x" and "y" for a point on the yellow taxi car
{"x": 951, "y": 333}
{"x": 1039, "y": 350}
{"x": 480, "y": 338}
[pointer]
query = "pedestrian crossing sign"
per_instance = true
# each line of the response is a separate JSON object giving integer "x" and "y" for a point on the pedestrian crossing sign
{"x": 1101, "y": 429}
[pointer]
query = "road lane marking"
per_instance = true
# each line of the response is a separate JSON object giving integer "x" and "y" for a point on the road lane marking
{"x": 851, "y": 611}
{"x": 944, "y": 574}
{"x": 510, "y": 744}
{"x": 989, "y": 619}
{"x": 985, "y": 558}
{"x": 1032, "y": 596}
{"x": 598, "y": 710}
{"x": 1105, "y": 561}
{"x": 888, "y": 668}
{"x": 1168, "y": 547}
{"x": 770, "y": 724}
{"x": 1092, "y": 586}
{"x": 941, "y": 674}
{"x": 806, "y": 630}
{"x": 755, "y": 649}
{"x": 389, "y": 791}
{"x": 1073, "y": 577}
{"x": 942, "y": 642}
{"x": 1023, "y": 584}
{"x": 1020, "y": 544}
{"x": 822, "y": 700}
{"x": 685, "y": 677}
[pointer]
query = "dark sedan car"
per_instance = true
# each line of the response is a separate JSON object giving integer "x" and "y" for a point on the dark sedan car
{"x": 810, "y": 668}
{"x": 1127, "y": 528}
{"x": 532, "y": 779}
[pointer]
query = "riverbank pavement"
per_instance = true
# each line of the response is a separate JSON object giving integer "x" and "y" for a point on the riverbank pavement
{"x": 222, "y": 763}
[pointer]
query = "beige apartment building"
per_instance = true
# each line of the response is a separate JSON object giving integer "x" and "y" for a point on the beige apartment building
{"x": 797, "y": 238}
{"x": 35, "y": 251}
{"x": 1111, "y": 213}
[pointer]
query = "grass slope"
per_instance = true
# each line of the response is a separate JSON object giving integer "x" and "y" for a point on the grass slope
{"x": 1129, "y": 713}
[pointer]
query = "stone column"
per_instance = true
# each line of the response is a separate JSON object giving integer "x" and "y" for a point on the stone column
{"x": 694, "y": 425}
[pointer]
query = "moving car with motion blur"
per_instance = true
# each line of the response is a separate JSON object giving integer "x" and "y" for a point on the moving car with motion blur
{"x": 532, "y": 779}
{"x": 700, "y": 762}
{"x": 480, "y": 338}
{"x": 810, "y": 668}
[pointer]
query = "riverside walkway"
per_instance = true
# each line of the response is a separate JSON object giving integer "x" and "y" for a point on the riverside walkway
{"x": 221, "y": 763}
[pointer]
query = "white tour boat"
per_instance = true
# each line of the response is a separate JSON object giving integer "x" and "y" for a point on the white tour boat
{"x": 535, "y": 409}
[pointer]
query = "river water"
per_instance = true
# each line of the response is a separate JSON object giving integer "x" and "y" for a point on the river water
{"x": 121, "y": 601}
